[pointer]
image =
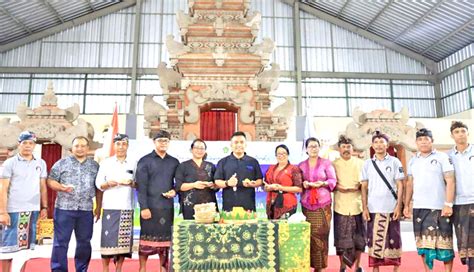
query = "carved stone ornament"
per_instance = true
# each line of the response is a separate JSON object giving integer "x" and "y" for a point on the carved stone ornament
{"x": 218, "y": 92}
{"x": 394, "y": 124}
{"x": 270, "y": 79}
{"x": 48, "y": 122}
{"x": 220, "y": 56}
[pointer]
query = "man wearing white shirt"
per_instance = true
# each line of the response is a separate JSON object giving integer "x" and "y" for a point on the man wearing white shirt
{"x": 382, "y": 190}
{"x": 462, "y": 156}
{"x": 115, "y": 179}
{"x": 431, "y": 183}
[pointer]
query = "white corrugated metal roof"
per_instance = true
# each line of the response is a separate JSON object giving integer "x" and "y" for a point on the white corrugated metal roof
{"x": 23, "y": 18}
{"x": 434, "y": 29}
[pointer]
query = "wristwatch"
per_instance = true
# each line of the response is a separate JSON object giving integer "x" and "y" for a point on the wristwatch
{"x": 227, "y": 183}
{"x": 449, "y": 204}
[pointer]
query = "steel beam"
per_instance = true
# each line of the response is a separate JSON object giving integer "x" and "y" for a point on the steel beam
{"x": 55, "y": 29}
{"x": 287, "y": 74}
{"x": 298, "y": 61}
{"x": 455, "y": 68}
{"x": 131, "y": 125}
{"x": 430, "y": 64}
{"x": 339, "y": 13}
{"x": 454, "y": 32}
{"x": 378, "y": 14}
{"x": 406, "y": 30}
{"x": 53, "y": 10}
{"x": 16, "y": 20}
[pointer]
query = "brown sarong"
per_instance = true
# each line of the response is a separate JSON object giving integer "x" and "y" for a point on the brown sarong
{"x": 320, "y": 220}
{"x": 384, "y": 240}
{"x": 349, "y": 236}
{"x": 463, "y": 220}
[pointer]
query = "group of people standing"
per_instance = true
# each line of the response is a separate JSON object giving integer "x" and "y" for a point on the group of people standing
{"x": 368, "y": 198}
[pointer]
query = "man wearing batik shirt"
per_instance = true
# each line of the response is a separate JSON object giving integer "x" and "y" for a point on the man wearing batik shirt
{"x": 155, "y": 183}
{"x": 22, "y": 190}
{"x": 238, "y": 174}
{"x": 73, "y": 178}
{"x": 431, "y": 183}
{"x": 382, "y": 190}
{"x": 462, "y": 156}
{"x": 115, "y": 179}
{"x": 349, "y": 228}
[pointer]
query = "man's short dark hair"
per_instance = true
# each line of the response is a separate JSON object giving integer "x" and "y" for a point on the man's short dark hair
{"x": 457, "y": 124}
{"x": 344, "y": 140}
{"x": 80, "y": 138}
{"x": 238, "y": 133}
{"x": 162, "y": 134}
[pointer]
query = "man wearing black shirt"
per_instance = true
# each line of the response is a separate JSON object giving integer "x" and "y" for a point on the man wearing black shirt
{"x": 155, "y": 181}
{"x": 238, "y": 175}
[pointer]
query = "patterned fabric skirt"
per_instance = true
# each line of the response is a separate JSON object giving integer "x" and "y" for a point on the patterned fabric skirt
{"x": 155, "y": 233}
{"x": 349, "y": 236}
{"x": 463, "y": 220}
{"x": 320, "y": 220}
{"x": 433, "y": 235}
{"x": 384, "y": 240}
{"x": 20, "y": 235}
{"x": 117, "y": 233}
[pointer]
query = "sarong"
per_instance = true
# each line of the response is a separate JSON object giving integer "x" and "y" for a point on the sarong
{"x": 117, "y": 233}
{"x": 320, "y": 220}
{"x": 383, "y": 240}
{"x": 20, "y": 235}
{"x": 349, "y": 236}
{"x": 433, "y": 235}
{"x": 463, "y": 220}
{"x": 155, "y": 234}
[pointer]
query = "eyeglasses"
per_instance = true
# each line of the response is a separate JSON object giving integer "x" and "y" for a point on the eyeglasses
{"x": 282, "y": 154}
{"x": 313, "y": 146}
{"x": 199, "y": 148}
{"x": 163, "y": 140}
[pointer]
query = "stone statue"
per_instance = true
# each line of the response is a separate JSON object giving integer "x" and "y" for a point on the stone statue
{"x": 263, "y": 49}
{"x": 286, "y": 109}
{"x": 270, "y": 79}
{"x": 175, "y": 48}
{"x": 82, "y": 128}
{"x": 73, "y": 112}
{"x": 253, "y": 20}
{"x": 9, "y": 133}
{"x": 49, "y": 98}
{"x": 152, "y": 109}
{"x": 169, "y": 78}
{"x": 184, "y": 21}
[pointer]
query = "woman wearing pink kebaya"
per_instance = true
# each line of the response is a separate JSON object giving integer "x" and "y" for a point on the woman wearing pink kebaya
{"x": 319, "y": 180}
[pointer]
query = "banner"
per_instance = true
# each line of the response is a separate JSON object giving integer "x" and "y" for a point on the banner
{"x": 263, "y": 152}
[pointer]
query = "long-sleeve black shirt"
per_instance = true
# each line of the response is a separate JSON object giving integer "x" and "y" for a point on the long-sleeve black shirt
{"x": 155, "y": 176}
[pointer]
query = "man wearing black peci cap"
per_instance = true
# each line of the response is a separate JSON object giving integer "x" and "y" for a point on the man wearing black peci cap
{"x": 116, "y": 180}
{"x": 155, "y": 183}
{"x": 431, "y": 184}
